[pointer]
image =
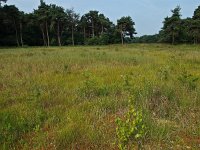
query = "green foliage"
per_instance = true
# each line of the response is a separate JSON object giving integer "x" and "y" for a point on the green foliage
{"x": 178, "y": 30}
{"x": 91, "y": 87}
{"x": 69, "y": 97}
{"x": 67, "y": 136}
{"x": 127, "y": 82}
{"x": 92, "y": 41}
{"x": 164, "y": 73}
{"x": 102, "y": 40}
{"x": 172, "y": 26}
{"x": 14, "y": 125}
{"x": 126, "y": 25}
{"x": 131, "y": 128}
{"x": 188, "y": 80}
{"x": 50, "y": 24}
{"x": 147, "y": 39}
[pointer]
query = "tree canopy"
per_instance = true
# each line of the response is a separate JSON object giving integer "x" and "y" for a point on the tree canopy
{"x": 3, "y": 1}
{"x": 51, "y": 25}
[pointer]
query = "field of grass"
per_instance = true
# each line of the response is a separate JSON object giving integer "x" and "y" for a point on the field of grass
{"x": 70, "y": 97}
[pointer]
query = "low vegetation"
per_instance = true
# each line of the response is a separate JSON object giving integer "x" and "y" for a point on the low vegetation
{"x": 107, "y": 97}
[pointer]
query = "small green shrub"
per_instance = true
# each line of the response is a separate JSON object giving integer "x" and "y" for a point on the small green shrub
{"x": 131, "y": 127}
{"x": 127, "y": 85}
{"x": 188, "y": 80}
{"x": 14, "y": 125}
{"x": 164, "y": 73}
{"x": 92, "y": 41}
{"x": 91, "y": 87}
{"x": 102, "y": 40}
{"x": 103, "y": 91}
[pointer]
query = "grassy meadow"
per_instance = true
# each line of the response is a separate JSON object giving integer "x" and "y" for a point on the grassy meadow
{"x": 70, "y": 97}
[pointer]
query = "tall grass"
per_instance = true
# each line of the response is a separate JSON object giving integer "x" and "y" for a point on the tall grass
{"x": 70, "y": 97}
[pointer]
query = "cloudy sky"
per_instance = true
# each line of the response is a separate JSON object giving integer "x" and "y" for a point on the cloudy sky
{"x": 147, "y": 14}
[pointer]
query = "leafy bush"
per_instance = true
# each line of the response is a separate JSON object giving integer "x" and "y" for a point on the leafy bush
{"x": 102, "y": 40}
{"x": 131, "y": 127}
{"x": 92, "y": 41}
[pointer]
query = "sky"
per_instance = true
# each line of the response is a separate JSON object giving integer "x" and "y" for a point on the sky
{"x": 148, "y": 15}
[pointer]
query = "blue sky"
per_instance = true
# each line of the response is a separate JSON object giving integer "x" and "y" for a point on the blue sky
{"x": 147, "y": 14}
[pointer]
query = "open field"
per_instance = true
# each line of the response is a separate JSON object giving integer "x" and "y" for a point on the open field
{"x": 70, "y": 97}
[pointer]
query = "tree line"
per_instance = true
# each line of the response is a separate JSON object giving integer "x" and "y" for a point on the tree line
{"x": 176, "y": 30}
{"x": 51, "y": 25}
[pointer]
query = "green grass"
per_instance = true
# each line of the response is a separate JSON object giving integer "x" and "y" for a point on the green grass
{"x": 69, "y": 97}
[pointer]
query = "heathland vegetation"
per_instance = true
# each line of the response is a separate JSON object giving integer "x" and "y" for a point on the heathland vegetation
{"x": 100, "y": 97}
{"x": 130, "y": 96}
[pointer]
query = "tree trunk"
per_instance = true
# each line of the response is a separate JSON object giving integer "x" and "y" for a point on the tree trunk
{"x": 195, "y": 40}
{"x": 73, "y": 35}
{"x": 93, "y": 29}
{"x": 102, "y": 29}
{"x": 16, "y": 33}
{"x": 58, "y": 33}
{"x": 84, "y": 34}
{"x": 21, "y": 35}
{"x": 122, "y": 37}
{"x": 47, "y": 32}
{"x": 173, "y": 38}
{"x": 43, "y": 35}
